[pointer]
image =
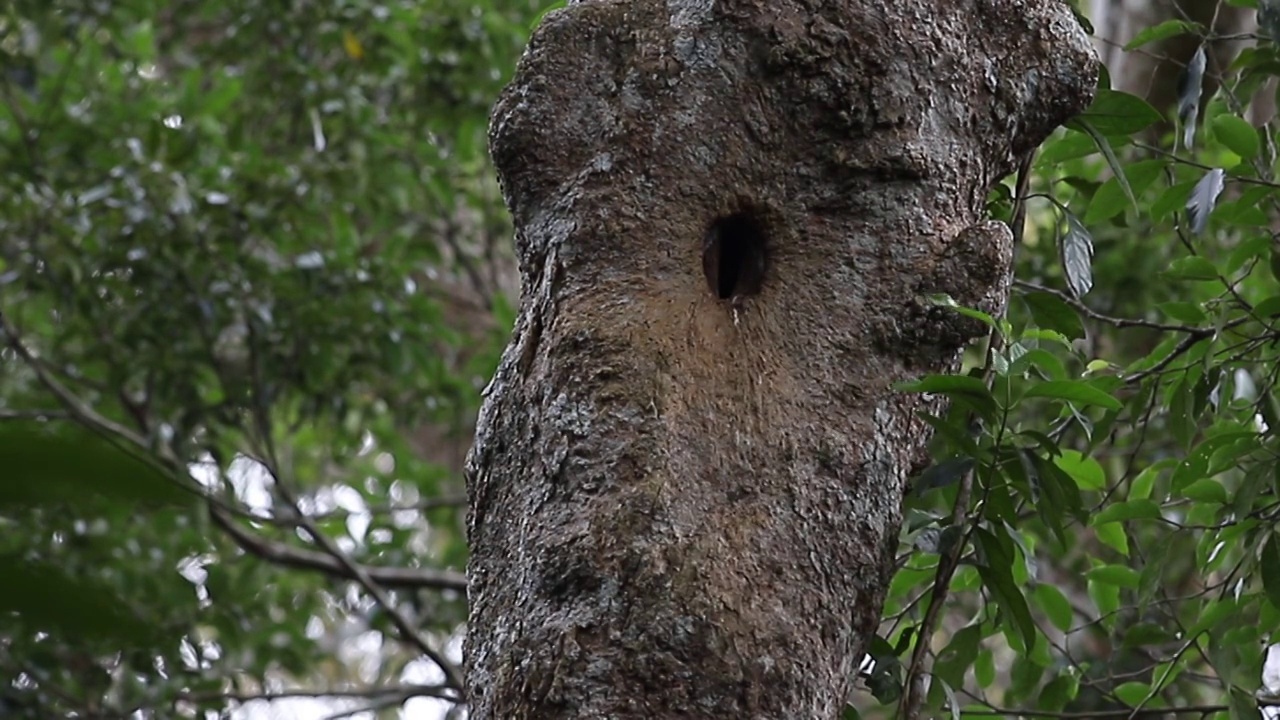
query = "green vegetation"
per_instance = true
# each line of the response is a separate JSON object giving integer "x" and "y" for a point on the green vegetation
{"x": 254, "y": 272}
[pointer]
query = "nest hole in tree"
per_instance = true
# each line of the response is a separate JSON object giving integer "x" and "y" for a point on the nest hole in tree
{"x": 733, "y": 255}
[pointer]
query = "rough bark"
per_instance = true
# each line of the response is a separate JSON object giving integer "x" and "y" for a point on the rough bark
{"x": 686, "y": 484}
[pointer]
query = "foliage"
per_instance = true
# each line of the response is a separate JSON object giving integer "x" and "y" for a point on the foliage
{"x": 248, "y": 252}
{"x": 251, "y": 255}
{"x": 1100, "y": 534}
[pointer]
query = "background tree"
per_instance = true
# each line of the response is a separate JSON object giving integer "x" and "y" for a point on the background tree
{"x": 254, "y": 271}
{"x": 259, "y": 242}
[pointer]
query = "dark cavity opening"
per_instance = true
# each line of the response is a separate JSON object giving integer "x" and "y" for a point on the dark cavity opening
{"x": 733, "y": 256}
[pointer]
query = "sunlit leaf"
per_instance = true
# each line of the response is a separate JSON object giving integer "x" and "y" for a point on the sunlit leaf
{"x": 1086, "y": 471}
{"x": 1237, "y": 134}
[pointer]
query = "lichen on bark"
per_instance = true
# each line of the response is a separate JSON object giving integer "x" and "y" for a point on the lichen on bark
{"x": 685, "y": 489}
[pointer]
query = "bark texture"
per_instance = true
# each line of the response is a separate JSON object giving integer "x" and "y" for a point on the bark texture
{"x": 686, "y": 484}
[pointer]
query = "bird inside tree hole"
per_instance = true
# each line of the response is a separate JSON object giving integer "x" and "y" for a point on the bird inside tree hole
{"x": 733, "y": 256}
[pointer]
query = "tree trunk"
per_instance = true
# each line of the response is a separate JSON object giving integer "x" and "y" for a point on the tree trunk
{"x": 686, "y": 483}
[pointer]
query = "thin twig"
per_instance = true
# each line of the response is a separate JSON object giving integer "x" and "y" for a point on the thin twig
{"x": 409, "y": 633}
{"x": 913, "y": 683}
{"x": 402, "y": 691}
{"x": 284, "y": 555}
{"x": 6, "y": 414}
{"x": 75, "y": 406}
{"x": 1113, "y": 321}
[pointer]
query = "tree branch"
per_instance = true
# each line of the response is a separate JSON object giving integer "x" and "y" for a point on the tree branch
{"x": 1203, "y": 710}
{"x": 284, "y": 555}
{"x": 1113, "y": 321}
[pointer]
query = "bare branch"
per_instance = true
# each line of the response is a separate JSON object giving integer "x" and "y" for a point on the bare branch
{"x": 74, "y": 405}
{"x": 8, "y": 414}
{"x": 285, "y": 555}
{"x": 1113, "y": 321}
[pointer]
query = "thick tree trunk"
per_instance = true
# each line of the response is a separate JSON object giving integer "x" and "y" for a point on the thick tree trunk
{"x": 686, "y": 483}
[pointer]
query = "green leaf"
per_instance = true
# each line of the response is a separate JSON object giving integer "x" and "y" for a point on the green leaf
{"x": 1268, "y": 308}
{"x": 1237, "y": 134}
{"x": 1105, "y": 595}
{"x": 48, "y": 463}
{"x": 1138, "y": 509}
{"x": 954, "y": 661}
{"x": 1118, "y": 575}
{"x": 1195, "y": 267}
{"x": 1117, "y": 113}
{"x": 1051, "y": 313}
{"x": 1206, "y": 490}
{"x": 942, "y": 474}
{"x": 1183, "y": 312}
{"x": 1132, "y": 693}
{"x": 1212, "y": 613}
{"x": 1054, "y": 605}
{"x": 1073, "y": 145}
{"x": 997, "y": 577}
{"x": 1243, "y": 705}
{"x": 944, "y": 300}
{"x": 959, "y": 387}
{"x": 1110, "y": 198}
{"x": 1086, "y": 471}
{"x": 1173, "y": 198}
{"x": 1060, "y": 494}
{"x": 1146, "y": 633}
{"x": 47, "y": 599}
{"x": 1166, "y": 29}
{"x": 984, "y": 668}
{"x": 1269, "y": 567}
{"x": 1045, "y": 361}
{"x": 1059, "y": 691}
{"x": 1140, "y": 488}
{"x": 1113, "y": 535}
{"x": 1075, "y": 391}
